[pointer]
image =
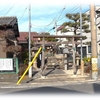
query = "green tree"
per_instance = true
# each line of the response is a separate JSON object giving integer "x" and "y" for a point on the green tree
{"x": 75, "y": 23}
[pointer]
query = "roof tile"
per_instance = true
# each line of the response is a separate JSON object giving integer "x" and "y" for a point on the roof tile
{"x": 24, "y": 35}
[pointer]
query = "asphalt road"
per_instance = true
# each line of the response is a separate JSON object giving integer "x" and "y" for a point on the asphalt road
{"x": 25, "y": 91}
{"x": 83, "y": 89}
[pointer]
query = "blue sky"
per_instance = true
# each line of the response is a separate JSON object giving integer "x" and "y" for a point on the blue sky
{"x": 44, "y": 13}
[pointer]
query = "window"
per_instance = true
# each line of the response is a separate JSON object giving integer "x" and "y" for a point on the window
{"x": 83, "y": 51}
{"x": 98, "y": 30}
{"x": 89, "y": 49}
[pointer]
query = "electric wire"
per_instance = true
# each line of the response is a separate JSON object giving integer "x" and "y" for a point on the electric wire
{"x": 52, "y": 22}
{"x": 57, "y": 15}
{"x": 23, "y": 13}
{"x": 61, "y": 12}
{"x": 55, "y": 18}
{"x": 66, "y": 12}
{"x": 72, "y": 10}
{"x": 9, "y": 10}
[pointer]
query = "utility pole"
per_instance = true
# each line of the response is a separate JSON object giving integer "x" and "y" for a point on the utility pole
{"x": 81, "y": 28}
{"x": 82, "y": 63}
{"x": 43, "y": 56}
{"x": 94, "y": 62}
{"x": 30, "y": 70}
{"x": 55, "y": 27}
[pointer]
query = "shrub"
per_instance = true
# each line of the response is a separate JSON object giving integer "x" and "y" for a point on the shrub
{"x": 87, "y": 60}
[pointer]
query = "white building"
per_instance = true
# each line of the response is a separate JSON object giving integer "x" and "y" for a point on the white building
{"x": 86, "y": 46}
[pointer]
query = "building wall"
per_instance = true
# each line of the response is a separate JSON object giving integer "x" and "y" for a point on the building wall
{"x": 2, "y": 53}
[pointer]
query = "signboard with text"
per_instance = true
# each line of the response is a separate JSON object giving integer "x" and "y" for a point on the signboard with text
{"x": 6, "y": 64}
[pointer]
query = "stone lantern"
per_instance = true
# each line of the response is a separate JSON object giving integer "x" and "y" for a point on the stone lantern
{"x": 77, "y": 58}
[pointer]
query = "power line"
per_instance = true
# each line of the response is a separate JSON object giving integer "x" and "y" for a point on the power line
{"x": 61, "y": 12}
{"x": 23, "y": 13}
{"x": 9, "y": 10}
{"x": 43, "y": 25}
{"x": 72, "y": 10}
{"x": 60, "y": 16}
{"x": 57, "y": 17}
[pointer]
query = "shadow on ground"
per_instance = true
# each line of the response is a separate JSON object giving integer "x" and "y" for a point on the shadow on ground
{"x": 47, "y": 90}
{"x": 96, "y": 88}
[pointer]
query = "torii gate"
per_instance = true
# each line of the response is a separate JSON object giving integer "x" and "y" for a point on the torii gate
{"x": 61, "y": 36}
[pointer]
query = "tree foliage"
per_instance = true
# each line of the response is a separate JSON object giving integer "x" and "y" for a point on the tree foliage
{"x": 75, "y": 22}
{"x": 49, "y": 39}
